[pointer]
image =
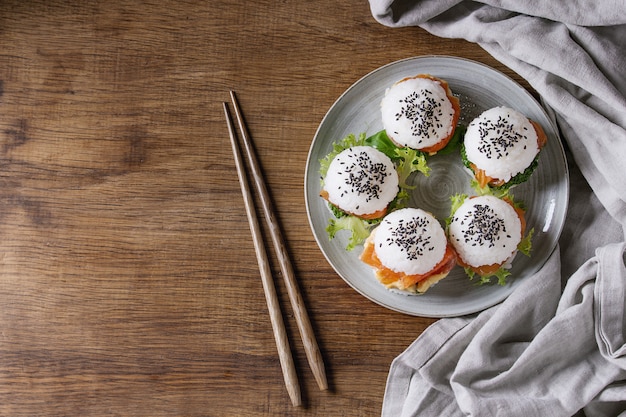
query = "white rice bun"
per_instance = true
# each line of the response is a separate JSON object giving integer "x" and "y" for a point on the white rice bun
{"x": 361, "y": 180}
{"x": 502, "y": 142}
{"x": 410, "y": 241}
{"x": 417, "y": 113}
{"x": 485, "y": 230}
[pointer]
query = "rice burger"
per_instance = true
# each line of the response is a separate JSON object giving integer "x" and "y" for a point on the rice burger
{"x": 420, "y": 112}
{"x": 501, "y": 147}
{"x": 409, "y": 251}
{"x": 361, "y": 181}
{"x": 486, "y": 232}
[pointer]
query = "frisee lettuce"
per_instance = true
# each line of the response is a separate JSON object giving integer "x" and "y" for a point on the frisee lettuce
{"x": 526, "y": 245}
{"x": 502, "y": 274}
{"x": 503, "y": 193}
{"x": 409, "y": 162}
{"x": 456, "y": 201}
{"x": 359, "y": 229}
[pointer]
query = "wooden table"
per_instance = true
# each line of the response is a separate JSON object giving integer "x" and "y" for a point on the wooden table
{"x": 128, "y": 280}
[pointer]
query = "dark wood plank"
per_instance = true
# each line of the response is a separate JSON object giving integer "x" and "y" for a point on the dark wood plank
{"x": 128, "y": 281}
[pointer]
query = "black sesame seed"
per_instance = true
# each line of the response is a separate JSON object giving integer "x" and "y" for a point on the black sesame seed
{"x": 484, "y": 226}
{"x": 411, "y": 237}
{"x": 423, "y": 111}
{"x": 363, "y": 176}
{"x": 506, "y": 137}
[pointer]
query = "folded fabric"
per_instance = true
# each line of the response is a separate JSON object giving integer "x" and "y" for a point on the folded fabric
{"x": 512, "y": 361}
{"x": 546, "y": 350}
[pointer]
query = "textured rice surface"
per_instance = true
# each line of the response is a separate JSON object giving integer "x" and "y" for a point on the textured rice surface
{"x": 410, "y": 240}
{"x": 502, "y": 142}
{"x": 361, "y": 180}
{"x": 485, "y": 231}
{"x": 416, "y": 112}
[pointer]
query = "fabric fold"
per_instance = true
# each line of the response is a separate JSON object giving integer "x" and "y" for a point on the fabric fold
{"x": 610, "y": 308}
{"x": 547, "y": 359}
{"x": 557, "y": 345}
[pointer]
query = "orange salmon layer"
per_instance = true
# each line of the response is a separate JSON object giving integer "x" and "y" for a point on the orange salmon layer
{"x": 387, "y": 276}
{"x": 368, "y": 216}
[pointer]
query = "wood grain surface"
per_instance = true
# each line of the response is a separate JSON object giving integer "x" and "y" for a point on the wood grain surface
{"x": 128, "y": 278}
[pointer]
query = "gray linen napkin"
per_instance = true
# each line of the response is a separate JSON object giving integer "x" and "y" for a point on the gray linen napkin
{"x": 546, "y": 350}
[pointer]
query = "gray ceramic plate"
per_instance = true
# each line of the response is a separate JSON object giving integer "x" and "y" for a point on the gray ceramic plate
{"x": 479, "y": 87}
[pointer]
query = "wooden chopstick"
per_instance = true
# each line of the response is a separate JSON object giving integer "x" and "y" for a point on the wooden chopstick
{"x": 278, "y": 326}
{"x": 313, "y": 354}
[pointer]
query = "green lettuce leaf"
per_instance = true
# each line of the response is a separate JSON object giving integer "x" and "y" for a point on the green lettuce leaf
{"x": 456, "y": 201}
{"x": 525, "y": 246}
{"x": 381, "y": 141}
{"x": 359, "y": 229}
{"x": 501, "y": 274}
